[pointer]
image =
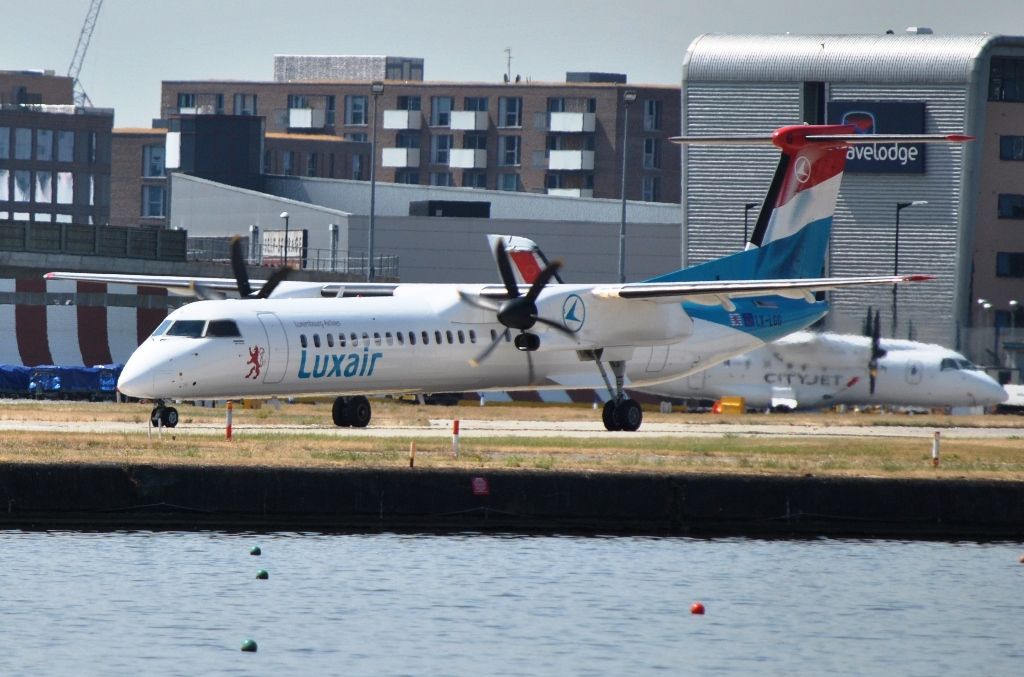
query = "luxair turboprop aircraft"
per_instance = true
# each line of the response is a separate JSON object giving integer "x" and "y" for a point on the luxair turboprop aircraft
{"x": 351, "y": 340}
{"x": 810, "y": 370}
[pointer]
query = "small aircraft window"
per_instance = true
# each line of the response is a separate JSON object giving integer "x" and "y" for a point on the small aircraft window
{"x": 437, "y": 337}
{"x": 330, "y": 340}
{"x": 462, "y": 336}
{"x": 426, "y": 338}
{"x": 412, "y": 338}
{"x": 316, "y": 340}
{"x": 341, "y": 340}
{"x": 366, "y": 339}
{"x": 448, "y": 335}
{"x": 188, "y": 328}
{"x": 302, "y": 340}
{"x": 376, "y": 339}
{"x": 472, "y": 336}
{"x": 159, "y": 331}
{"x": 398, "y": 335}
{"x": 223, "y": 328}
{"x": 948, "y": 363}
{"x": 355, "y": 339}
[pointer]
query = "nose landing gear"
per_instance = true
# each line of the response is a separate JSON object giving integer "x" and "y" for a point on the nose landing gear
{"x": 620, "y": 412}
{"x": 163, "y": 416}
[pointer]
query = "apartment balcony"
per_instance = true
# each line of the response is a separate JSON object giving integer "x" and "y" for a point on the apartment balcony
{"x": 571, "y": 192}
{"x": 571, "y": 160}
{"x": 306, "y": 118}
{"x": 403, "y": 119}
{"x": 401, "y": 157}
{"x": 467, "y": 158}
{"x": 572, "y": 122}
{"x": 468, "y": 120}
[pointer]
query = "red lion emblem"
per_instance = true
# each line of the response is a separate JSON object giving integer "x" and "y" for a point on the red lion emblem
{"x": 256, "y": 360}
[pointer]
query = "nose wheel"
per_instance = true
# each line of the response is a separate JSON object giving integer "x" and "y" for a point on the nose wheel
{"x": 620, "y": 412}
{"x": 163, "y": 417}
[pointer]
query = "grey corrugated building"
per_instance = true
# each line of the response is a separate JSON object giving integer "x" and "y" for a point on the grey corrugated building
{"x": 969, "y": 233}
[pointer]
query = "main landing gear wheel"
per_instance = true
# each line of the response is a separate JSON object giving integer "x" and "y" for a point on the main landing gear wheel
{"x": 622, "y": 415}
{"x": 165, "y": 417}
{"x": 351, "y": 412}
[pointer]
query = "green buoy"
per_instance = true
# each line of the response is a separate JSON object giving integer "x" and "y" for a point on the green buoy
{"x": 256, "y": 551}
{"x": 249, "y": 645}
{"x": 262, "y": 574}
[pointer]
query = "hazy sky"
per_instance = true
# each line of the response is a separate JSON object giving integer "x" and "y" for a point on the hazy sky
{"x": 139, "y": 43}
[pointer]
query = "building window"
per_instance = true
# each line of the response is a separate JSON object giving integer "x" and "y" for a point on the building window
{"x": 245, "y": 104}
{"x": 510, "y": 111}
{"x": 1011, "y": 206}
{"x": 65, "y": 188}
{"x": 288, "y": 161}
{"x": 408, "y": 103}
{"x": 407, "y": 176}
{"x": 474, "y": 179}
{"x": 358, "y": 137}
{"x": 1011, "y": 147}
{"x": 22, "y": 144}
{"x": 357, "y": 168}
{"x": 298, "y": 101}
{"x": 1006, "y": 79}
{"x": 406, "y": 139}
{"x": 65, "y": 146}
{"x": 652, "y": 158}
{"x": 90, "y": 146}
{"x": 329, "y": 116}
{"x": 153, "y": 161}
{"x": 44, "y": 144}
{"x": 44, "y": 187}
{"x": 652, "y": 115}
{"x": 22, "y": 185}
{"x": 153, "y": 201}
{"x": 651, "y": 187}
{"x": 439, "y": 147}
{"x": 441, "y": 179}
{"x": 474, "y": 141}
{"x": 311, "y": 165}
{"x": 5, "y": 143}
{"x": 355, "y": 109}
{"x": 475, "y": 103}
{"x": 509, "y": 182}
{"x": 1010, "y": 264}
{"x": 186, "y": 100}
{"x": 552, "y": 181}
{"x": 508, "y": 151}
{"x": 556, "y": 105}
{"x": 5, "y": 189}
{"x": 441, "y": 110}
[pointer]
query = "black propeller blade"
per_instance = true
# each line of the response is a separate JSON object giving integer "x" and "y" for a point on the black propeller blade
{"x": 518, "y": 311}
{"x": 242, "y": 275}
{"x": 877, "y": 352}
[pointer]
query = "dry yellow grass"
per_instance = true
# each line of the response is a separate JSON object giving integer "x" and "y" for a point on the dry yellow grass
{"x": 736, "y": 454}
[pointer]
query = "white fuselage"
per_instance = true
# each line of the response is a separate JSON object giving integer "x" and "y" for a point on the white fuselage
{"x": 421, "y": 339}
{"x": 821, "y": 370}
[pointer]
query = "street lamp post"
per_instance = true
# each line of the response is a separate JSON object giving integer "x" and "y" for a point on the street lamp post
{"x": 628, "y": 97}
{"x": 376, "y": 88}
{"x": 284, "y": 215}
{"x": 900, "y": 206}
{"x": 1013, "y": 318}
{"x": 746, "y": 210}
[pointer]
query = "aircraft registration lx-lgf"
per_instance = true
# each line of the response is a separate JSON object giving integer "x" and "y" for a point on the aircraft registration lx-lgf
{"x": 350, "y": 340}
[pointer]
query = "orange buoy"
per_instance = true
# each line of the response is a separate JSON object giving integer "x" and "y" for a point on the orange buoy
{"x": 697, "y": 608}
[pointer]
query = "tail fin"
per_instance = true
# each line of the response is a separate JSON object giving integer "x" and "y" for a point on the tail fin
{"x": 791, "y": 235}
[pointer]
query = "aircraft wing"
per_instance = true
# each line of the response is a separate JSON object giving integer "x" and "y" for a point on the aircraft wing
{"x": 186, "y": 286}
{"x": 718, "y": 292}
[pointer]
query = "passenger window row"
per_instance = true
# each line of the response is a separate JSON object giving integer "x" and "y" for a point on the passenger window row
{"x": 354, "y": 339}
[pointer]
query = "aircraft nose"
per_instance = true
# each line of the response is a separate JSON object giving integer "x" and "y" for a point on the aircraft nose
{"x": 987, "y": 392}
{"x": 136, "y": 380}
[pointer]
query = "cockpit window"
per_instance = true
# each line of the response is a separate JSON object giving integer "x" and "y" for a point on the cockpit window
{"x": 968, "y": 365}
{"x": 159, "y": 331}
{"x": 187, "y": 328}
{"x": 221, "y": 328}
{"x": 948, "y": 363}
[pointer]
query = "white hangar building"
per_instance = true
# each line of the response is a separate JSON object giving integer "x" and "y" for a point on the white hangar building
{"x": 970, "y": 234}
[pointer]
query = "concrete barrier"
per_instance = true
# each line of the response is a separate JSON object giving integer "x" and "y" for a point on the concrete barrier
{"x": 348, "y": 499}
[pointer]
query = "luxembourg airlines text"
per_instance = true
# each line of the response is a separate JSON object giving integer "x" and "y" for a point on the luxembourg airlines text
{"x": 338, "y": 365}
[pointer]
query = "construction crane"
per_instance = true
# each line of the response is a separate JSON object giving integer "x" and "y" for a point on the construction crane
{"x": 81, "y": 98}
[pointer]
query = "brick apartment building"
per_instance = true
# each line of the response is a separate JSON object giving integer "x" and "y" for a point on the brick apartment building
{"x": 55, "y": 158}
{"x": 556, "y": 138}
